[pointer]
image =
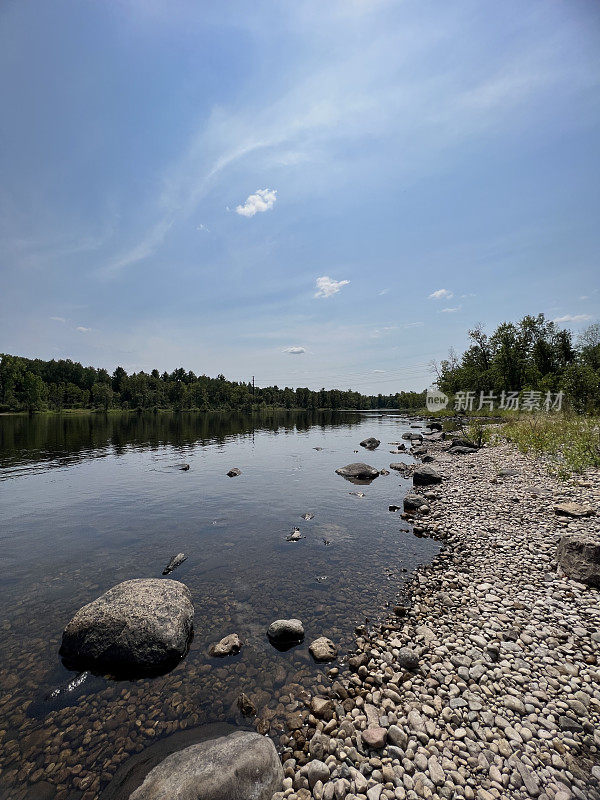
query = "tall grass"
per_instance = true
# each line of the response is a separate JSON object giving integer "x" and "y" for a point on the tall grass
{"x": 569, "y": 442}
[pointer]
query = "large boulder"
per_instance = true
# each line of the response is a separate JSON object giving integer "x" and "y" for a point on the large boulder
{"x": 243, "y": 765}
{"x": 426, "y": 476}
{"x": 358, "y": 470}
{"x": 579, "y": 556}
{"x": 413, "y": 502}
{"x": 138, "y": 627}
{"x": 371, "y": 443}
{"x": 286, "y": 631}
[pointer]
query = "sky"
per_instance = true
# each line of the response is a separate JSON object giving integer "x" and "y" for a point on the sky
{"x": 314, "y": 193}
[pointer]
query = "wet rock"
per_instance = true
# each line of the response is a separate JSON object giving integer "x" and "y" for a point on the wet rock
{"x": 323, "y": 649}
{"x": 371, "y": 443}
{"x": 294, "y": 536}
{"x": 184, "y": 467}
{"x": 229, "y": 645}
{"x": 233, "y": 473}
{"x": 174, "y": 563}
{"x": 246, "y": 706}
{"x": 434, "y": 426}
{"x": 579, "y": 557}
{"x": 357, "y": 494}
{"x": 286, "y": 630}
{"x": 426, "y": 476}
{"x": 358, "y": 470}
{"x": 412, "y": 502}
{"x": 573, "y": 510}
{"x": 137, "y": 627}
{"x": 322, "y": 708}
{"x": 308, "y": 515}
{"x": 243, "y": 765}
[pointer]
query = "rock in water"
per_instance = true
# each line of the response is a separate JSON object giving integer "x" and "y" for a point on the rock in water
{"x": 294, "y": 536}
{"x": 358, "y": 470}
{"x": 184, "y": 467}
{"x": 286, "y": 630}
{"x": 413, "y": 502}
{"x": 579, "y": 556}
{"x": 243, "y": 765}
{"x": 174, "y": 563}
{"x": 425, "y": 476}
{"x": 323, "y": 649}
{"x": 308, "y": 515}
{"x": 246, "y": 706}
{"x": 229, "y": 645}
{"x": 138, "y": 627}
{"x": 371, "y": 443}
{"x": 233, "y": 473}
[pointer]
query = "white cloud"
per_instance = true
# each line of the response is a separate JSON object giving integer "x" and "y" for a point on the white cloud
{"x": 383, "y": 291}
{"x": 451, "y": 310}
{"x": 326, "y": 286}
{"x": 413, "y": 325}
{"x": 58, "y": 319}
{"x": 441, "y": 294}
{"x": 295, "y": 351}
{"x": 379, "y": 371}
{"x": 203, "y": 227}
{"x": 573, "y": 318}
{"x": 261, "y": 200}
{"x": 81, "y": 329}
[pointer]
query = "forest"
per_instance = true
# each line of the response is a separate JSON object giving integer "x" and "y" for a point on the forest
{"x": 35, "y": 385}
{"x": 532, "y": 354}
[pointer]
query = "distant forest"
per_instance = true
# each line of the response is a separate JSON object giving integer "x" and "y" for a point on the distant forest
{"x": 530, "y": 355}
{"x": 35, "y": 385}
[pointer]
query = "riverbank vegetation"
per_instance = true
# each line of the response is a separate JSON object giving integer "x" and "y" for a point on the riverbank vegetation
{"x": 36, "y": 385}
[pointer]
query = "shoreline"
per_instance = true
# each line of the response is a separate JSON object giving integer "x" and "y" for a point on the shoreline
{"x": 505, "y": 701}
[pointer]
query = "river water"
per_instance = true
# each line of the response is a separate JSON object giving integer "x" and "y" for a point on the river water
{"x": 89, "y": 500}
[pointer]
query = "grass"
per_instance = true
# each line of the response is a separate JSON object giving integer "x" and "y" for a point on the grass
{"x": 570, "y": 442}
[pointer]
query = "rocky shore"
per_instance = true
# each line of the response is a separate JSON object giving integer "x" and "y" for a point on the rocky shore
{"x": 486, "y": 681}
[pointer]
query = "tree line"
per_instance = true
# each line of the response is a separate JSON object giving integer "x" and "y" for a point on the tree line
{"x": 36, "y": 385}
{"x": 530, "y": 355}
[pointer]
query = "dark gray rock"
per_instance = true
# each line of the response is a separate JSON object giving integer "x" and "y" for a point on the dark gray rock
{"x": 243, "y": 765}
{"x": 407, "y": 658}
{"x": 286, "y": 630}
{"x": 579, "y": 556}
{"x": 461, "y": 441}
{"x": 138, "y": 627}
{"x": 358, "y": 470}
{"x": 426, "y": 476}
{"x": 175, "y": 562}
{"x": 371, "y": 443}
{"x": 233, "y": 473}
{"x": 461, "y": 450}
{"x": 413, "y": 502}
{"x": 434, "y": 426}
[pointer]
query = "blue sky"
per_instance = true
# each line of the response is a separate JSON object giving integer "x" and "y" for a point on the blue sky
{"x": 312, "y": 193}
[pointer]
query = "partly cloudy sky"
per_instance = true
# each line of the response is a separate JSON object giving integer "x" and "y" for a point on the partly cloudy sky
{"x": 352, "y": 183}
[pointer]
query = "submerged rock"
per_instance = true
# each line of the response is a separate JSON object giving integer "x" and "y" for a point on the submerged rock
{"x": 174, "y": 563}
{"x": 244, "y": 766}
{"x": 246, "y": 706}
{"x": 371, "y": 443}
{"x": 229, "y": 645}
{"x": 579, "y": 556}
{"x": 358, "y": 470}
{"x": 138, "y": 627}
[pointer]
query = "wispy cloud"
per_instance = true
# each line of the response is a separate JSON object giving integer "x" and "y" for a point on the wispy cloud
{"x": 413, "y": 325}
{"x": 573, "y": 318}
{"x": 441, "y": 294}
{"x": 82, "y": 329}
{"x": 58, "y": 319}
{"x": 383, "y": 291}
{"x": 326, "y": 286}
{"x": 451, "y": 310}
{"x": 295, "y": 351}
{"x": 202, "y": 227}
{"x": 261, "y": 200}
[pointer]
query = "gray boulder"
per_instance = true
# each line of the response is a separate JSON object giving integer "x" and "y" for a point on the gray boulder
{"x": 243, "y": 765}
{"x": 371, "y": 443}
{"x": 413, "y": 502}
{"x": 233, "y": 473}
{"x": 434, "y": 426}
{"x": 461, "y": 450}
{"x": 425, "y": 476}
{"x": 358, "y": 470}
{"x": 407, "y": 658}
{"x": 579, "y": 556}
{"x": 323, "y": 649}
{"x": 229, "y": 645}
{"x": 286, "y": 630}
{"x": 138, "y": 627}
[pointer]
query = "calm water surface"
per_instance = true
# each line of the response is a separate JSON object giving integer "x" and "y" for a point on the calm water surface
{"x": 88, "y": 501}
